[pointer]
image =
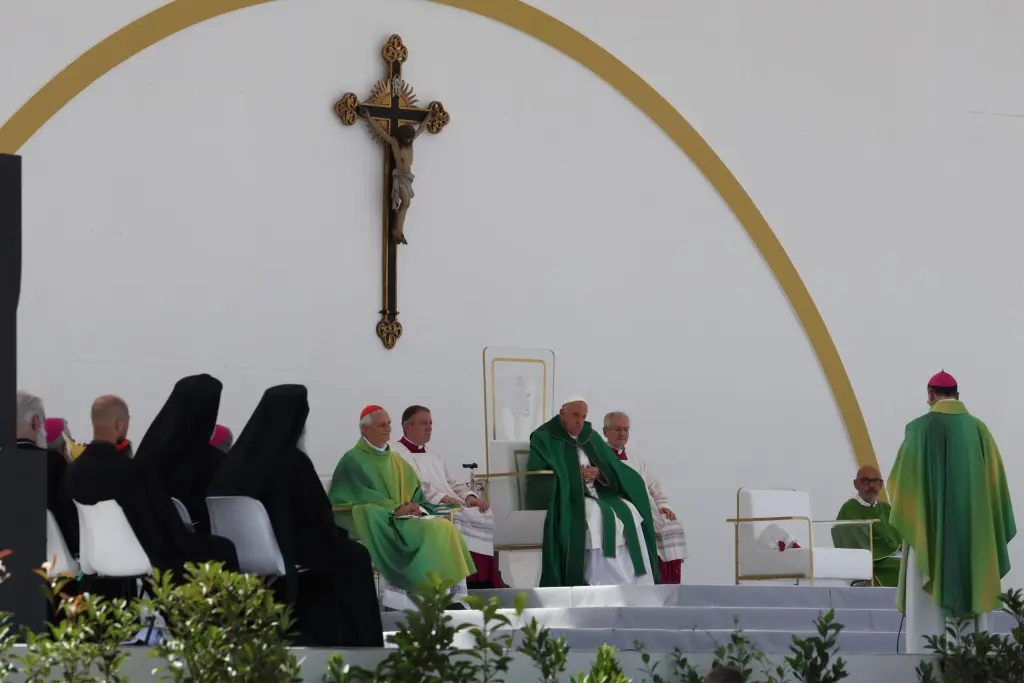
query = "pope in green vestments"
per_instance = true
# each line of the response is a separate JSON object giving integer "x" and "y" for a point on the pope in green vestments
{"x": 595, "y": 476}
{"x": 951, "y": 504}
{"x": 384, "y": 500}
{"x": 885, "y": 541}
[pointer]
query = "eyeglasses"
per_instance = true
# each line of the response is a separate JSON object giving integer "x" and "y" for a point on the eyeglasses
{"x": 618, "y": 429}
{"x": 872, "y": 480}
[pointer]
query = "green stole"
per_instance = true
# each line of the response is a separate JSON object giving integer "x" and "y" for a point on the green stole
{"x": 565, "y": 526}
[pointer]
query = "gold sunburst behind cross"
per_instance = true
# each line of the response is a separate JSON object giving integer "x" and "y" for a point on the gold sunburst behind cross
{"x": 384, "y": 90}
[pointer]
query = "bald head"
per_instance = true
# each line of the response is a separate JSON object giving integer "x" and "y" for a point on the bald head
{"x": 110, "y": 419}
{"x": 868, "y": 483}
{"x": 869, "y": 471}
{"x": 106, "y": 409}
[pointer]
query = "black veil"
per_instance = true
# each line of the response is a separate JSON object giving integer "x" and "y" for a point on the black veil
{"x": 186, "y": 421}
{"x": 265, "y": 446}
{"x": 176, "y": 448}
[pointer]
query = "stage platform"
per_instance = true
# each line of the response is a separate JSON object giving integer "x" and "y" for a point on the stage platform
{"x": 695, "y": 618}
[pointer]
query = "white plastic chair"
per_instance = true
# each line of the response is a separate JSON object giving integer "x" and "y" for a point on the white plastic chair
{"x": 57, "y": 549}
{"x": 245, "y": 522}
{"x": 757, "y": 509}
{"x": 108, "y": 546}
{"x": 183, "y": 513}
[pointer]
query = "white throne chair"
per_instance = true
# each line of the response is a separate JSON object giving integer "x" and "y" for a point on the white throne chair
{"x": 518, "y": 531}
{"x": 757, "y": 509}
{"x": 519, "y": 386}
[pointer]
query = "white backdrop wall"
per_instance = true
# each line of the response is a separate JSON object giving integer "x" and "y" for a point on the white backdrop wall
{"x": 200, "y": 209}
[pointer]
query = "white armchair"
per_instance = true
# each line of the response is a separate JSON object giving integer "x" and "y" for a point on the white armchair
{"x": 757, "y": 509}
{"x": 516, "y": 528}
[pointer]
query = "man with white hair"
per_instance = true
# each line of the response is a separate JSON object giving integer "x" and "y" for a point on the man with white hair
{"x": 667, "y": 527}
{"x": 383, "y": 506}
{"x": 599, "y": 528}
{"x": 31, "y": 433}
{"x": 475, "y": 520}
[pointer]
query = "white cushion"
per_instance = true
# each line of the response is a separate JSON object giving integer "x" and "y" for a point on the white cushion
{"x": 829, "y": 563}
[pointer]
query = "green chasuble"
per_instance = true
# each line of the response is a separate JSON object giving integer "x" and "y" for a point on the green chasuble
{"x": 376, "y": 482}
{"x": 951, "y": 503}
{"x": 886, "y": 540}
{"x": 565, "y": 526}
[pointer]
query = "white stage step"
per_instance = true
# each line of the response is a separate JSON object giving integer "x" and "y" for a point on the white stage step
{"x": 690, "y": 618}
{"x": 693, "y": 618}
{"x": 700, "y": 596}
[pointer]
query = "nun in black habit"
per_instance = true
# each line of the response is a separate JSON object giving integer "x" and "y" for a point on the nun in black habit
{"x": 335, "y": 597}
{"x": 176, "y": 449}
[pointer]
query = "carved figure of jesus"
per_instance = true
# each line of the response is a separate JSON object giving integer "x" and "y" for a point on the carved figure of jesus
{"x": 401, "y": 174}
{"x": 519, "y": 415}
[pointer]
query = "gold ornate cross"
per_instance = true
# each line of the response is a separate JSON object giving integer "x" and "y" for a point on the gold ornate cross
{"x": 392, "y": 103}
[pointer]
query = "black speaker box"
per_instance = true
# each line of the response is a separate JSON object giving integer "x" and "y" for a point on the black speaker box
{"x": 22, "y": 474}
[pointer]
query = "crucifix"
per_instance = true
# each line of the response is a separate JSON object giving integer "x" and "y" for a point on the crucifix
{"x": 391, "y": 110}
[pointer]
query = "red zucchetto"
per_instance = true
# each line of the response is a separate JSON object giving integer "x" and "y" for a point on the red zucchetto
{"x": 943, "y": 380}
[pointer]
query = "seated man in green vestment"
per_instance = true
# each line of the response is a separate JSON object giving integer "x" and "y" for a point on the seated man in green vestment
{"x": 951, "y": 504}
{"x": 385, "y": 509}
{"x": 886, "y": 543}
{"x": 599, "y": 529}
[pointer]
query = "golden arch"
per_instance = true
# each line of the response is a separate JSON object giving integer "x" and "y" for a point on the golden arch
{"x": 181, "y": 14}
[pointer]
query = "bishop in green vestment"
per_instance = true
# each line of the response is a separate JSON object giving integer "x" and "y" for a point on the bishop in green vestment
{"x": 384, "y": 504}
{"x": 599, "y": 529}
{"x": 951, "y": 504}
{"x": 884, "y": 540}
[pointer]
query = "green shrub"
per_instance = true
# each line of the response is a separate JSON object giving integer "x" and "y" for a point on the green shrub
{"x": 811, "y": 660}
{"x": 425, "y": 644}
{"x": 739, "y": 653}
{"x": 965, "y": 656}
{"x": 548, "y": 654}
{"x": 89, "y": 638}
{"x": 605, "y": 668}
{"x": 85, "y": 644}
{"x": 221, "y": 626}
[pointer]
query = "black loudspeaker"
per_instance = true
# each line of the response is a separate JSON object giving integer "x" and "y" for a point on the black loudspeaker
{"x": 22, "y": 474}
{"x": 10, "y": 289}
